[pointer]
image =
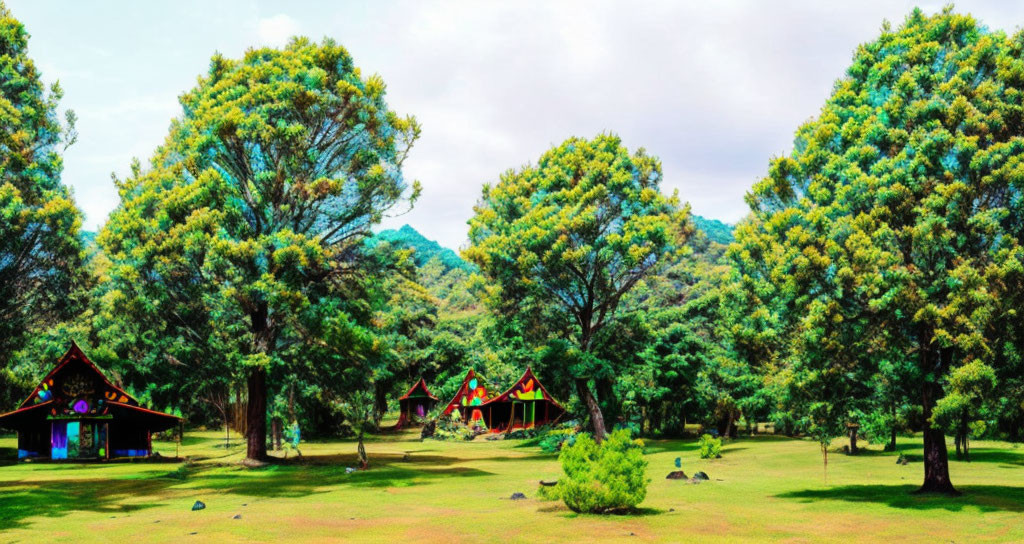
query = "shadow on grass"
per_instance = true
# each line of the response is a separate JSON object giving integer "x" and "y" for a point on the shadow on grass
{"x": 19, "y": 501}
{"x": 279, "y": 481}
{"x": 985, "y": 498}
{"x": 638, "y": 512}
{"x": 992, "y": 455}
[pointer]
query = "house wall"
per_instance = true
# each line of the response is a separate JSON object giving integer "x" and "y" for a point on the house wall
{"x": 34, "y": 442}
{"x": 127, "y": 440}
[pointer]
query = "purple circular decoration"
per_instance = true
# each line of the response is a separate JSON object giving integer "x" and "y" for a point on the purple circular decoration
{"x": 81, "y": 406}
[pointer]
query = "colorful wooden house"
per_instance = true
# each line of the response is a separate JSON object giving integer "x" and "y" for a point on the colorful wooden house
{"x": 77, "y": 413}
{"x": 525, "y": 404}
{"x": 414, "y": 405}
{"x": 472, "y": 394}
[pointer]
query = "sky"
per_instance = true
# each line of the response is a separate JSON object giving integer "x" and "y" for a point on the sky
{"x": 715, "y": 89}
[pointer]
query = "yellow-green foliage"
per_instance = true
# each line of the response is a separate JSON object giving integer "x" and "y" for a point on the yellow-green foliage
{"x": 709, "y": 446}
{"x": 40, "y": 251}
{"x": 606, "y": 477}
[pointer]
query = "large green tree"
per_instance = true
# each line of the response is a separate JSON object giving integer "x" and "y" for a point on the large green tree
{"x": 563, "y": 241}
{"x": 40, "y": 249}
{"x": 257, "y": 203}
{"x": 893, "y": 231}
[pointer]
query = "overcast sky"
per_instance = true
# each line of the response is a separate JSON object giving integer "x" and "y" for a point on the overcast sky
{"x": 713, "y": 88}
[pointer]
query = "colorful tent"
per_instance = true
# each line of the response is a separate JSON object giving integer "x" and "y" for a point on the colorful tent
{"x": 525, "y": 404}
{"x": 414, "y": 405}
{"x": 472, "y": 394}
{"x": 77, "y": 413}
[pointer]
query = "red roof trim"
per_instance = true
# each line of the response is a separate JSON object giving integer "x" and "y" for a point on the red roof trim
{"x": 74, "y": 353}
{"x": 420, "y": 384}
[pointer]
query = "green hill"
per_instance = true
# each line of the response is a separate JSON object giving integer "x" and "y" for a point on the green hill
{"x": 716, "y": 230}
{"x": 423, "y": 248}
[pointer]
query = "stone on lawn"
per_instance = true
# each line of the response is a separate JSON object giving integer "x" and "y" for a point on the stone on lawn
{"x": 199, "y": 505}
{"x": 676, "y": 475}
{"x": 518, "y": 496}
{"x": 700, "y": 476}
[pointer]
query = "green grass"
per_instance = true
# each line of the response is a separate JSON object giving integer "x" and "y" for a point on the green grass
{"x": 762, "y": 489}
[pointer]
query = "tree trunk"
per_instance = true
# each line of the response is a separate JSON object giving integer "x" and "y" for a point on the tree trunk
{"x": 256, "y": 411}
{"x": 596, "y": 418}
{"x": 824, "y": 461}
{"x": 239, "y": 411}
{"x": 256, "y": 415}
{"x": 380, "y": 404}
{"x": 936, "y": 458}
{"x": 608, "y": 401}
{"x": 853, "y": 441}
{"x": 364, "y": 461}
{"x": 892, "y": 429}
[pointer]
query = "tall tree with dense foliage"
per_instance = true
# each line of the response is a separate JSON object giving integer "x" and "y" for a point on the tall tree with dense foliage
{"x": 565, "y": 240}
{"x": 258, "y": 202}
{"x": 893, "y": 231}
{"x": 40, "y": 249}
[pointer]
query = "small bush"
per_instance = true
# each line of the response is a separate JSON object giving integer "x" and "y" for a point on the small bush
{"x": 523, "y": 434}
{"x": 451, "y": 427}
{"x": 555, "y": 440}
{"x": 710, "y": 447}
{"x": 547, "y": 493}
{"x": 605, "y": 478}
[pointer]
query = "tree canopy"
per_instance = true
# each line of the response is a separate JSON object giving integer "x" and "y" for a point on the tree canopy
{"x": 256, "y": 206}
{"x": 892, "y": 234}
{"x": 570, "y": 237}
{"x": 40, "y": 250}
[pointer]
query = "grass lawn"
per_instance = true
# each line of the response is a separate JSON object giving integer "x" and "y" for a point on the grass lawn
{"x": 762, "y": 489}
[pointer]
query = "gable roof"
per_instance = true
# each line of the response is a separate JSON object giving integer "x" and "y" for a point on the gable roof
{"x": 12, "y": 420}
{"x": 528, "y": 387}
{"x": 72, "y": 356}
{"x": 421, "y": 385}
{"x": 464, "y": 391}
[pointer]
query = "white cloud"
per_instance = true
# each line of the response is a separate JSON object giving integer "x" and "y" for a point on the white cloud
{"x": 275, "y": 31}
{"x": 715, "y": 89}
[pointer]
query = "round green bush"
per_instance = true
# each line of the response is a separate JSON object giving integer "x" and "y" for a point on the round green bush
{"x": 709, "y": 446}
{"x": 605, "y": 478}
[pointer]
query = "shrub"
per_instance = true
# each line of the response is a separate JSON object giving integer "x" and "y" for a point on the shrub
{"x": 450, "y": 427}
{"x": 610, "y": 477}
{"x": 547, "y": 493}
{"x": 523, "y": 434}
{"x": 555, "y": 440}
{"x": 710, "y": 447}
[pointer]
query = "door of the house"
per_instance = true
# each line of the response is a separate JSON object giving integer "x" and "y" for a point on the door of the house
{"x": 81, "y": 439}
